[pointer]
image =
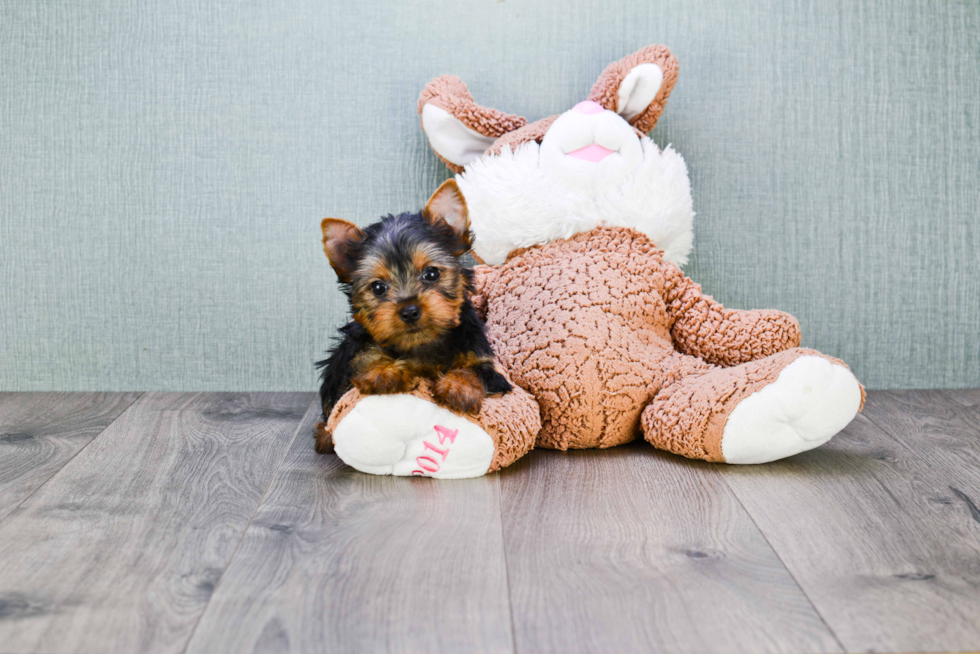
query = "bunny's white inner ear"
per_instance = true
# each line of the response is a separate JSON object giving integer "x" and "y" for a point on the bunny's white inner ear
{"x": 454, "y": 141}
{"x": 638, "y": 89}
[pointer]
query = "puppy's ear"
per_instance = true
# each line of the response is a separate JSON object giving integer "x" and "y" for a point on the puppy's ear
{"x": 448, "y": 205}
{"x": 338, "y": 237}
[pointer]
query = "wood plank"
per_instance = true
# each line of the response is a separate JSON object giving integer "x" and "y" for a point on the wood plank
{"x": 121, "y": 550}
{"x": 968, "y": 397}
{"x": 874, "y": 528}
{"x": 631, "y": 549}
{"x": 940, "y": 427}
{"x": 41, "y": 432}
{"x": 340, "y": 561}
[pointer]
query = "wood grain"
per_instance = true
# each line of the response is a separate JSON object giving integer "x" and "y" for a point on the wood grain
{"x": 631, "y": 549}
{"x": 340, "y": 561}
{"x": 878, "y": 527}
{"x": 940, "y": 427}
{"x": 968, "y": 397}
{"x": 121, "y": 550}
{"x": 41, "y": 432}
{"x": 142, "y": 540}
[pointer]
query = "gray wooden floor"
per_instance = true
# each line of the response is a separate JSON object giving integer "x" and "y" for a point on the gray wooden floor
{"x": 206, "y": 523}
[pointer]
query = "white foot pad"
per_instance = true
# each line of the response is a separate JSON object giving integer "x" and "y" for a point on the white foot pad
{"x": 811, "y": 400}
{"x": 405, "y": 435}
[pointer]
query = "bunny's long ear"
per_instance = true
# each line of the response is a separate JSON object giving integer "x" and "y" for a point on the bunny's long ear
{"x": 459, "y": 129}
{"x": 636, "y": 87}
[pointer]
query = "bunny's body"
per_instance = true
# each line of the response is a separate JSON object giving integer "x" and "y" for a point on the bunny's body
{"x": 584, "y": 221}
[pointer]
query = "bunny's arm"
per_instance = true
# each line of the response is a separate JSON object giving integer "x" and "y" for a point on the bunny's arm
{"x": 701, "y": 327}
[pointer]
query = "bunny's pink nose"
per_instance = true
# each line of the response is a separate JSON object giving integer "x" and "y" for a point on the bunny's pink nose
{"x": 588, "y": 107}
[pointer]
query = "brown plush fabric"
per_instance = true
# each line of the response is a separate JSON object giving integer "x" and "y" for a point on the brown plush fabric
{"x": 512, "y": 421}
{"x": 689, "y": 413}
{"x": 606, "y": 89}
{"x": 703, "y": 328}
{"x": 592, "y": 325}
{"x": 449, "y": 93}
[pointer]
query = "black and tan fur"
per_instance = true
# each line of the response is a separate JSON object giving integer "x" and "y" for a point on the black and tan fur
{"x": 410, "y": 303}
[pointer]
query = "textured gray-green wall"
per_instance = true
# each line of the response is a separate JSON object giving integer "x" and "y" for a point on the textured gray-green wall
{"x": 164, "y": 167}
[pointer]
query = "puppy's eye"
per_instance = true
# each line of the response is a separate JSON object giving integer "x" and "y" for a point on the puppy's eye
{"x": 430, "y": 274}
{"x": 379, "y": 288}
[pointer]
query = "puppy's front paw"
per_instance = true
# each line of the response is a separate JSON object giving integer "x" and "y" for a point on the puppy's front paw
{"x": 461, "y": 390}
{"x": 493, "y": 382}
{"x": 385, "y": 378}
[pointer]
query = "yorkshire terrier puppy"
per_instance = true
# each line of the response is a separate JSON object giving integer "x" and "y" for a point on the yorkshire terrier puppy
{"x": 412, "y": 316}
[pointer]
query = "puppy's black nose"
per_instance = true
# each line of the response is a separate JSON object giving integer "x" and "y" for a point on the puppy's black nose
{"x": 410, "y": 314}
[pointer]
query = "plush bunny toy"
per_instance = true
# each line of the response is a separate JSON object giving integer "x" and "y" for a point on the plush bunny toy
{"x": 583, "y": 222}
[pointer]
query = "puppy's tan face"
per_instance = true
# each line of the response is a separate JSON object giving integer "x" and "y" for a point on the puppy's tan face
{"x": 405, "y": 279}
{"x": 407, "y": 293}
